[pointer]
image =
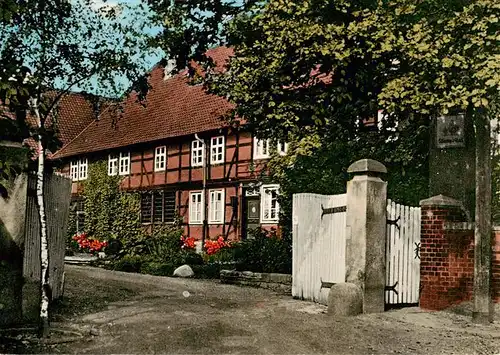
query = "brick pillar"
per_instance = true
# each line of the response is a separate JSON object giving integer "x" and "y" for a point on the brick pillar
{"x": 446, "y": 258}
{"x": 495, "y": 269}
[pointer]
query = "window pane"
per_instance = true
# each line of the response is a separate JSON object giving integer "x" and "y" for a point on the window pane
{"x": 158, "y": 207}
{"x": 169, "y": 206}
{"x": 146, "y": 206}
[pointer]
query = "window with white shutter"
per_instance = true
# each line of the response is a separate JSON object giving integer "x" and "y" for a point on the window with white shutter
{"x": 261, "y": 148}
{"x": 79, "y": 169}
{"x": 216, "y": 207}
{"x": 124, "y": 163}
{"x": 269, "y": 204}
{"x": 196, "y": 208}
{"x": 112, "y": 164}
{"x": 82, "y": 169}
{"x": 197, "y": 153}
{"x": 160, "y": 158}
{"x": 74, "y": 170}
{"x": 217, "y": 150}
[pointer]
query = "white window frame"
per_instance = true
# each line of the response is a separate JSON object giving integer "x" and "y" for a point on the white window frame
{"x": 113, "y": 164}
{"x": 282, "y": 148}
{"x": 161, "y": 158}
{"x": 265, "y": 203}
{"x": 217, "y": 151}
{"x": 83, "y": 165}
{"x": 196, "y": 209}
{"x": 216, "y": 211}
{"x": 74, "y": 171}
{"x": 197, "y": 151}
{"x": 261, "y": 148}
{"x": 79, "y": 169}
{"x": 125, "y": 163}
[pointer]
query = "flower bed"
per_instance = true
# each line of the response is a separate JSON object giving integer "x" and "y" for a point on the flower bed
{"x": 89, "y": 245}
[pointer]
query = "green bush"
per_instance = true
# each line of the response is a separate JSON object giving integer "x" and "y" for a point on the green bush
{"x": 158, "y": 268}
{"x": 129, "y": 263}
{"x": 264, "y": 251}
{"x": 207, "y": 271}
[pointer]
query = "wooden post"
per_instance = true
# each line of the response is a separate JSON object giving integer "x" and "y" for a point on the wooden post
{"x": 483, "y": 306}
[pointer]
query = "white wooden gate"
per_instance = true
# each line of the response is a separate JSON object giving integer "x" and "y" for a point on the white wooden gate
{"x": 403, "y": 254}
{"x": 319, "y": 233}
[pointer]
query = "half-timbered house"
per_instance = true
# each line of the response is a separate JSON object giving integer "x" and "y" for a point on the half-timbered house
{"x": 182, "y": 157}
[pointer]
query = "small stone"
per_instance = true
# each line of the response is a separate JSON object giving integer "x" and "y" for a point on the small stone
{"x": 345, "y": 299}
{"x": 186, "y": 294}
{"x": 184, "y": 271}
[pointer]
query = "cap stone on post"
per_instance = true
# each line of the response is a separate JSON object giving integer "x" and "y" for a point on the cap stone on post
{"x": 440, "y": 200}
{"x": 367, "y": 166}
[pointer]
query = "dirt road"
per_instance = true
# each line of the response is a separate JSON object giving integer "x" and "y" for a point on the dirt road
{"x": 130, "y": 313}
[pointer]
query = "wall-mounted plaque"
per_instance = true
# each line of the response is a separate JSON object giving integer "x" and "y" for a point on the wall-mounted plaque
{"x": 450, "y": 131}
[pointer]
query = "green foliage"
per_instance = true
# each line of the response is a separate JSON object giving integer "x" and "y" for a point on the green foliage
{"x": 208, "y": 270}
{"x": 129, "y": 263}
{"x": 158, "y": 253}
{"x": 264, "y": 251}
{"x": 79, "y": 49}
{"x": 157, "y": 268}
{"x": 109, "y": 212}
{"x": 13, "y": 161}
{"x": 309, "y": 72}
{"x": 164, "y": 245}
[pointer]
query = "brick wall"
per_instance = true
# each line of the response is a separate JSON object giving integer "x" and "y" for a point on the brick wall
{"x": 447, "y": 258}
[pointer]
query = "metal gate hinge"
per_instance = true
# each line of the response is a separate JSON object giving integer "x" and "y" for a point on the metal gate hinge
{"x": 331, "y": 210}
{"x": 392, "y": 288}
{"x": 394, "y": 222}
{"x": 325, "y": 284}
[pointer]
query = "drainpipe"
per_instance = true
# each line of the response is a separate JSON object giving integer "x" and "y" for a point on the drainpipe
{"x": 204, "y": 178}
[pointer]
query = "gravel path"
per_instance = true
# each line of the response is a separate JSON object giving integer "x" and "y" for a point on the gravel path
{"x": 131, "y": 313}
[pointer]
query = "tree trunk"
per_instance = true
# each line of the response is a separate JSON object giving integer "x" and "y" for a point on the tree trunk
{"x": 483, "y": 306}
{"x": 44, "y": 252}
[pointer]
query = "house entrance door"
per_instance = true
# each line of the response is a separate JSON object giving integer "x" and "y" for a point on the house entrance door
{"x": 251, "y": 212}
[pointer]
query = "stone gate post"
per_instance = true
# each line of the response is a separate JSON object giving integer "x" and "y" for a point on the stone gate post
{"x": 366, "y": 225}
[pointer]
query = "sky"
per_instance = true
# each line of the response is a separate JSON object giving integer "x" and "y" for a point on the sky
{"x": 151, "y": 58}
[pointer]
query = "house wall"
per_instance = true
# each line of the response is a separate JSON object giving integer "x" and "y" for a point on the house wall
{"x": 239, "y": 169}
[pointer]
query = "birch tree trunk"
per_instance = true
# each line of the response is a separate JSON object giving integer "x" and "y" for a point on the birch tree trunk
{"x": 44, "y": 252}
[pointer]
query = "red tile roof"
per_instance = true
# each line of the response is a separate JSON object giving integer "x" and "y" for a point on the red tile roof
{"x": 75, "y": 113}
{"x": 173, "y": 108}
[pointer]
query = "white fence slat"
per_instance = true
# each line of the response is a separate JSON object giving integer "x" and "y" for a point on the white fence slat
{"x": 402, "y": 265}
{"x": 318, "y": 245}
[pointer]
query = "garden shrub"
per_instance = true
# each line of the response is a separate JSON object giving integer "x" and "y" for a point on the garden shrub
{"x": 129, "y": 263}
{"x": 263, "y": 251}
{"x": 158, "y": 268}
{"x": 207, "y": 271}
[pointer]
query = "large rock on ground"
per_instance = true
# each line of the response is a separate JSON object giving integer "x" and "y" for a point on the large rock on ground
{"x": 184, "y": 271}
{"x": 345, "y": 299}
